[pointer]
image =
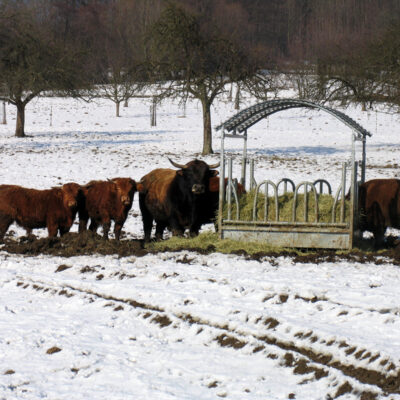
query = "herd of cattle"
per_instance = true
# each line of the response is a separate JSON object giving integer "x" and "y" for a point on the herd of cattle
{"x": 180, "y": 199}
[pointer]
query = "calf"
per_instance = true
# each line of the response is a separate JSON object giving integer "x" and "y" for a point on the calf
{"x": 106, "y": 201}
{"x": 54, "y": 209}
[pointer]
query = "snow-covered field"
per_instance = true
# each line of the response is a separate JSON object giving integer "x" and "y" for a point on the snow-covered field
{"x": 184, "y": 325}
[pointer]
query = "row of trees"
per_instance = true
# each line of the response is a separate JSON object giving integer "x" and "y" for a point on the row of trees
{"x": 346, "y": 50}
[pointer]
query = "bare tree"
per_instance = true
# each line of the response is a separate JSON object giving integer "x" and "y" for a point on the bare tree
{"x": 32, "y": 60}
{"x": 122, "y": 55}
{"x": 189, "y": 60}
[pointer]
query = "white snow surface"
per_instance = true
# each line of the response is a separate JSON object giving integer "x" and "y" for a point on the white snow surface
{"x": 184, "y": 325}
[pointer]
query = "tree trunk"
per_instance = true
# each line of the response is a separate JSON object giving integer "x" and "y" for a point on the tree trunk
{"x": 207, "y": 135}
{"x": 237, "y": 98}
{"x": 117, "y": 103}
{"x": 4, "y": 114}
{"x": 20, "y": 127}
{"x": 126, "y": 102}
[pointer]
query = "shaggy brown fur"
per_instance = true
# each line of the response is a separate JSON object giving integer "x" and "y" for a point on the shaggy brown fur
{"x": 54, "y": 209}
{"x": 379, "y": 205}
{"x": 172, "y": 198}
{"x": 106, "y": 201}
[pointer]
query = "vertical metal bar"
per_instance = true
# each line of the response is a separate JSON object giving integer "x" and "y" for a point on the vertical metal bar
{"x": 229, "y": 188}
{"x": 305, "y": 203}
{"x": 363, "y": 162}
{"x": 251, "y": 174}
{"x": 221, "y": 184}
{"x": 352, "y": 190}
{"x": 244, "y": 160}
{"x": 266, "y": 202}
{"x": 343, "y": 204}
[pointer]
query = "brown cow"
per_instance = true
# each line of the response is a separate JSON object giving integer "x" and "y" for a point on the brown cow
{"x": 106, "y": 201}
{"x": 379, "y": 206}
{"x": 54, "y": 209}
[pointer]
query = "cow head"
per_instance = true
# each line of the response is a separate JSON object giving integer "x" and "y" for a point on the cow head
{"x": 71, "y": 194}
{"x": 196, "y": 174}
{"x": 126, "y": 188}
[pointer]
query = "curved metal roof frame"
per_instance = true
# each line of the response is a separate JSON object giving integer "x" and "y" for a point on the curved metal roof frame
{"x": 251, "y": 115}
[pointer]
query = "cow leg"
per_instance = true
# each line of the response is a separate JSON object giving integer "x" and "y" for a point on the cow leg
{"x": 63, "y": 230}
{"x": 378, "y": 224}
{"x": 93, "y": 225}
{"x": 176, "y": 228}
{"x": 147, "y": 226}
{"x": 379, "y": 235}
{"x": 52, "y": 229}
{"x": 5, "y": 222}
{"x": 117, "y": 229}
{"x": 106, "y": 228}
{"x": 194, "y": 230}
{"x": 83, "y": 220}
{"x": 82, "y": 225}
{"x": 147, "y": 219}
{"x": 160, "y": 230}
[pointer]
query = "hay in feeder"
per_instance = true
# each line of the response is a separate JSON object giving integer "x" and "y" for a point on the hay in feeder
{"x": 285, "y": 208}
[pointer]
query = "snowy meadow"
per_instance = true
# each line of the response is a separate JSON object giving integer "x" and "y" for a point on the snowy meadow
{"x": 184, "y": 325}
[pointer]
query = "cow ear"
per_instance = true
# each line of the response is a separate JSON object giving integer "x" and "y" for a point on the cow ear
{"x": 214, "y": 172}
{"x": 180, "y": 172}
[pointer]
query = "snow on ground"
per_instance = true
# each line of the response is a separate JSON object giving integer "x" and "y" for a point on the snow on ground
{"x": 184, "y": 325}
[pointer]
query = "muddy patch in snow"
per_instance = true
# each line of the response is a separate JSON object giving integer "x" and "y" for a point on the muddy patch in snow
{"x": 87, "y": 243}
{"x": 73, "y": 244}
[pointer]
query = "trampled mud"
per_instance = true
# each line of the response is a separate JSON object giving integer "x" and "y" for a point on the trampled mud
{"x": 87, "y": 243}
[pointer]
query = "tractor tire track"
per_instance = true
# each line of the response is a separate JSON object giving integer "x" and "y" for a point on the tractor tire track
{"x": 302, "y": 357}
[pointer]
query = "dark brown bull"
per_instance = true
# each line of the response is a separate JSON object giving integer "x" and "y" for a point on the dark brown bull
{"x": 172, "y": 198}
{"x": 107, "y": 201}
{"x": 54, "y": 209}
{"x": 379, "y": 206}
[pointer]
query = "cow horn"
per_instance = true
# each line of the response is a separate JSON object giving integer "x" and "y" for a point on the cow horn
{"x": 214, "y": 165}
{"x": 182, "y": 166}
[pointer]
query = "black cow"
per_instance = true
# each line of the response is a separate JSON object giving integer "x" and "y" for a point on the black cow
{"x": 172, "y": 198}
{"x": 210, "y": 202}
